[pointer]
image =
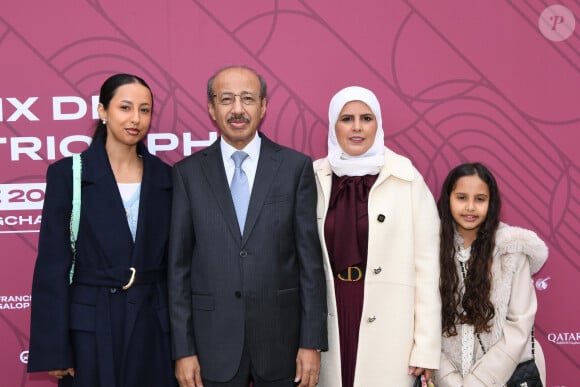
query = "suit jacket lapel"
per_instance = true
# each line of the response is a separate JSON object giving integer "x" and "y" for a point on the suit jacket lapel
{"x": 268, "y": 165}
{"x": 323, "y": 174}
{"x": 215, "y": 174}
{"x": 150, "y": 212}
{"x": 108, "y": 217}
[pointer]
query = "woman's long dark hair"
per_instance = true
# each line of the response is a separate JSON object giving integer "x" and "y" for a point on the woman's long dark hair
{"x": 108, "y": 90}
{"x": 476, "y": 303}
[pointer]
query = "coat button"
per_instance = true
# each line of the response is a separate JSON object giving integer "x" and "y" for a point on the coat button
{"x": 371, "y": 318}
{"x": 243, "y": 253}
{"x": 377, "y": 270}
{"x": 381, "y": 218}
{"x": 238, "y": 294}
{"x": 113, "y": 290}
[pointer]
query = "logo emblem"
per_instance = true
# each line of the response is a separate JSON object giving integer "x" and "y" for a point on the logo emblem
{"x": 557, "y": 23}
{"x": 542, "y": 283}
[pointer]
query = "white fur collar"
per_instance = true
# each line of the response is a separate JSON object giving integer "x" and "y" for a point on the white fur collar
{"x": 511, "y": 240}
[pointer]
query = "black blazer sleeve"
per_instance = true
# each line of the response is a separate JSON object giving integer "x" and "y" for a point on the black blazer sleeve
{"x": 50, "y": 345}
{"x": 313, "y": 332}
{"x": 181, "y": 243}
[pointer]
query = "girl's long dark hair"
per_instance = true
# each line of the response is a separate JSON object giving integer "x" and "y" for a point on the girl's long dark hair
{"x": 108, "y": 90}
{"x": 475, "y": 303}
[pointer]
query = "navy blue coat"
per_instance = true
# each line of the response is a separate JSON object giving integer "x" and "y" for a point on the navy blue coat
{"x": 112, "y": 337}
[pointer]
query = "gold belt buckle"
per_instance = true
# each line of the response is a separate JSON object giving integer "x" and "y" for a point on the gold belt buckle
{"x": 131, "y": 280}
{"x": 351, "y": 274}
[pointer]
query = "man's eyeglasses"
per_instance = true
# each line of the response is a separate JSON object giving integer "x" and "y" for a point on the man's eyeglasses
{"x": 246, "y": 97}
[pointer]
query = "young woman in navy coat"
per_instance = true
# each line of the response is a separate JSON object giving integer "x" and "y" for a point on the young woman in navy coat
{"x": 110, "y": 326}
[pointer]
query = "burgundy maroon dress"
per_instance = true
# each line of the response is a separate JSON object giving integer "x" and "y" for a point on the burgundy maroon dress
{"x": 346, "y": 231}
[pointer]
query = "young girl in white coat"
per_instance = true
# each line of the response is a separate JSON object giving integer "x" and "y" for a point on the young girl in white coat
{"x": 488, "y": 297}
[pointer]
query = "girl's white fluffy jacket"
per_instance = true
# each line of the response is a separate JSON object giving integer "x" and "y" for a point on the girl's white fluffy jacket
{"x": 519, "y": 253}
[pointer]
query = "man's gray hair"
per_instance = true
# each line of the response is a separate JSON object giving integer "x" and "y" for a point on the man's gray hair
{"x": 263, "y": 85}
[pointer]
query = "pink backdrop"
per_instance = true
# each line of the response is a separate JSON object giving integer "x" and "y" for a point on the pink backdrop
{"x": 458, "y": 81}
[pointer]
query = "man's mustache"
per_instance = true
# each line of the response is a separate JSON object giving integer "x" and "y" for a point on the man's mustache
{"x": 238, "y": 118}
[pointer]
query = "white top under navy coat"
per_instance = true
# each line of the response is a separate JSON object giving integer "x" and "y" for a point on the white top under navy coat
{"x": 130, "y": 194}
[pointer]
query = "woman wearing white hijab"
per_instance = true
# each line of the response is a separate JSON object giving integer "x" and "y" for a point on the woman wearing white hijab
{"x": 379, "y": 232}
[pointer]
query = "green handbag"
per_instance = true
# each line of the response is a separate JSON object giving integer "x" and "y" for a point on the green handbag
{"x": 76, "y": 210}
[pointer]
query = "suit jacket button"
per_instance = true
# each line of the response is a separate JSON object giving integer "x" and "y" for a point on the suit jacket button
{"x": 377, "y": 270}
{"x": 238, "y": 294}
{"x": 371, "y": 318}
{"x": 243, "y": 253}
{"x": 113, "y": 290}
{"x": 381, "y": 218}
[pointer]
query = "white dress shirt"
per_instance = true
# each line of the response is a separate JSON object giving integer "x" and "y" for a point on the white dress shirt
{"x": 250, "y": 164}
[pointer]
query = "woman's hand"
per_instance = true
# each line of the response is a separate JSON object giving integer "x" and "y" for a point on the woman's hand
{"x": 425, "y": 371}
{"x": 59, "y": 374}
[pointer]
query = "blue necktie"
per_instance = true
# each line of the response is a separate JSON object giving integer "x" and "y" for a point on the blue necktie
{"x": 240, "y": 189}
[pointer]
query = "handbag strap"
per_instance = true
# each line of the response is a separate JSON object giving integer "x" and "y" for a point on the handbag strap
{"x": 532, "y": 340}
{"x": 76, "y": 210}
{"x": 477, "y": 334}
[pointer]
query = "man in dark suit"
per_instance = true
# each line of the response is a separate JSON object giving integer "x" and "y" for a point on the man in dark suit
{"x": 247, "y": 291}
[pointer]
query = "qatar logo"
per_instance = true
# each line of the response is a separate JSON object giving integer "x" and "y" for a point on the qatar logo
{"x": 24, "y": 357}
{"x": 562, "y": 338}
{"x": 542, "y": 283}
{"x": 557, "y": 23}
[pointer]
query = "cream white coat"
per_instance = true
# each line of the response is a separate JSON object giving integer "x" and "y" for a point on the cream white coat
{"x": 518, "y": 254}
{"x": 401, "y": 318}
